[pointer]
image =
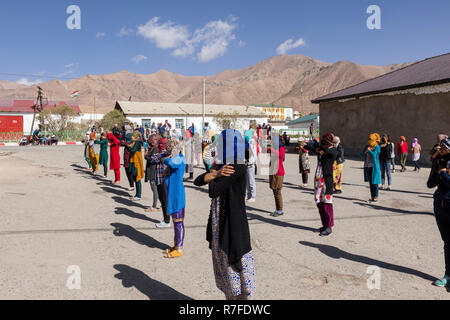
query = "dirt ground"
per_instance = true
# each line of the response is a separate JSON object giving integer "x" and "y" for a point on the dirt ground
{"x": 54, "y": 215}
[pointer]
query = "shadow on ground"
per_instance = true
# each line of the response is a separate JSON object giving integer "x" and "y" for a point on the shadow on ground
{"x": 153, "y": 289}
{"x": 337, "y": 253}
{"x": 137, "y": 236}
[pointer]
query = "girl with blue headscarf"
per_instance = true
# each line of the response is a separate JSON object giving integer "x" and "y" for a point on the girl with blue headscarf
{"x": 227, "y": 232}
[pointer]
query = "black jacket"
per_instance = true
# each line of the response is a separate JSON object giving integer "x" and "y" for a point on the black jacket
{"x": 327, "y": 160}
{"x": 340, "y": 154}
{"x": 150, "y": 168}
{"x": 385, "y": 153}
{"x": 234, "y": 234}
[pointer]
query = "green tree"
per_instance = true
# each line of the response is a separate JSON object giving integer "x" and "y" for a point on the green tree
{"x": 112, "y": 118}
{"x": 226, "y": 121}
{"x": 57, "y": 120}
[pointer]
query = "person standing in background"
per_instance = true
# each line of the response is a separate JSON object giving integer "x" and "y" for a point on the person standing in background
{"x": 250, "y": 160}
{"x": 371, "y": 154}
{"x": 276, "y": 178}
{"x": 304, "y": 163}
{"x": 136, "y": 166}
{"x": 150, "y": 170}
{"x": 323, "y": 183}
{"x": 385, "y": 162}
{"x": 416, "y": 149}
{"x": 402, "y": 151}
{"x": 114, "y": 163}
{"x": 338, "y": 166}
{"x": 103, "y": 159}
{"x": 389, "y": 140}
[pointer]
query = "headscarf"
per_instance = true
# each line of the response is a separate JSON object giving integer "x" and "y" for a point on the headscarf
{"x": 441, "y": 137}
{"x": 403, "y": 138}
{"x": 174, "y": 147}
{"x": 445, "y": 143}
{"x": 327, "y": 140}
{"x": 414, "y": 142}
{"x": 374, "y": 140}
{"x": 162, "y": 144}
{"x": 137, "y": 135}
{"x": 154, "y": 140}
{"x": 92, "y": 136}
{"x": 336, "y": 141}
{"x": 230, "y": 148}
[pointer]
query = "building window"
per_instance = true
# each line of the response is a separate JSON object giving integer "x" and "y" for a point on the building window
{"x": 179, "y": 123}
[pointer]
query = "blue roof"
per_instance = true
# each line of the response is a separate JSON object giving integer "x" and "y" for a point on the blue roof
{"x": 307, "y": 118}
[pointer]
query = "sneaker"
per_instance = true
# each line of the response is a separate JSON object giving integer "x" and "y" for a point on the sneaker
{"x": 389, "y": 188}
{"x": 131, "y": 189}
{"x": 274, "y": 214}
{"x": 325, "y": 232}
{"x": 383, "y": 187}
{"x": 162, "y": 224}
{"x": 321, "y": 229}
{"x": 251, "y": 200}
{"x": 305, "y": 185}
{"x": 135, "y": 198}
{"x": 444, "y": 282}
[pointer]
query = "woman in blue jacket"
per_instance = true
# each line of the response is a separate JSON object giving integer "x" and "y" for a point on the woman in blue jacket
{"x": 372, "y": 173}
{"x": 176, "y": 195}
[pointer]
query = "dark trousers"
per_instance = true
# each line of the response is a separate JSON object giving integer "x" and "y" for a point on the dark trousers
{"x": 162, "y": 194}
{"x": 373, "y": 187}
{"x": 130, "y": 177}
{"x": 155, "y": 193}
{"x": 442, "y": 215}
{"x": 326, "y": 214}
{"x": 416, "y": 165}
{"x": 305, "y": 177}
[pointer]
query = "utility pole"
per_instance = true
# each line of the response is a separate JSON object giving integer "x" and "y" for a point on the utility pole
{"x": 36, "y": 108}
{"x": 203, "y": 106}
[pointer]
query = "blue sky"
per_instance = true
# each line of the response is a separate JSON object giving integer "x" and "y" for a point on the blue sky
{"x": 200, "y": 37}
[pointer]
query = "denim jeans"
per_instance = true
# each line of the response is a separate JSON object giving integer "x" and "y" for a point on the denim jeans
{"x": 385, "y": 169}
{"x": 251, "y": 185}
{"x": 373, "y": 187}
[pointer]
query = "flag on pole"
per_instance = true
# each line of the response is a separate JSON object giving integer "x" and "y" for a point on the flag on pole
{"x": 75, "y": 94}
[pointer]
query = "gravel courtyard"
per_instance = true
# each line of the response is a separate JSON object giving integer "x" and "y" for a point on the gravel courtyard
{"x": 54, "y": 214}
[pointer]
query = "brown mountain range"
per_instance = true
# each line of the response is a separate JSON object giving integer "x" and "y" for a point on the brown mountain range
{"x": 289, "y": 80}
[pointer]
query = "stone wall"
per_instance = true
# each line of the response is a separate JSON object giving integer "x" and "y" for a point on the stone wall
{"x": 410, "y": 115}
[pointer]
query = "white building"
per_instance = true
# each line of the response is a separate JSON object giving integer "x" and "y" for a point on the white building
{"x": 182, "y": 115}
{"x": 16, "y": 116}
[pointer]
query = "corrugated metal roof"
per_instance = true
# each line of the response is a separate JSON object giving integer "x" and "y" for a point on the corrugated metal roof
{"x": 26, "y": 106}
{"x": 162, "y": 108}
{"x": 307, "y": 118}
{"x": 430, "y": 71}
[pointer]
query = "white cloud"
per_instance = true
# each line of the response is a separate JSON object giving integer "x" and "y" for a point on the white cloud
{"x": 289, "y": 45}
{"x": 100, "y": 35}
{"x": 124, "y": 31}
{"x": 26, "y": 82}
{"x": 139, "y": 58}
{"x": 166, "y": 35}
{"x": 241, "y": 43}
{"x": 212, "y": 39}
{"x": 65, "y": 73}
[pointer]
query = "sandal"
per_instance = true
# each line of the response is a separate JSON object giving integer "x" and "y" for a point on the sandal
{"x": 168, "y": 250}
{"x": 174, "y": 254}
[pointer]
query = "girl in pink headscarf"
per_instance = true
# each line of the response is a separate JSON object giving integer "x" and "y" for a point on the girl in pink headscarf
{"x": 416, "y": 149}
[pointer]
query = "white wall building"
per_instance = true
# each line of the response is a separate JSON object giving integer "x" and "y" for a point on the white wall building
{"x": 182, "y": 115}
